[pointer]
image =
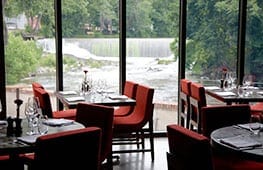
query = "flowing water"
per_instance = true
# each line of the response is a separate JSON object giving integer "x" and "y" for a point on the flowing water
{"x": 142, "y": 64}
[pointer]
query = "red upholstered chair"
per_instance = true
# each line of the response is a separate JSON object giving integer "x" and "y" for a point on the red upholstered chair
{"x": 7, "y": 163}
{"x": 36, "y": 85}
{"x": 214, "y": 117}
{"x": 197, "y": 101}
{"x": 257, "y": 109}
{"x": 184, "y": 112}
{"x": 78, "y": 149}
{"x": 137, "y": 124}
{"x": 189, "y": 150}
{"x": 102, "y": 117}
{"x": 45, "y": 104}
{"x": 130, "y": 91}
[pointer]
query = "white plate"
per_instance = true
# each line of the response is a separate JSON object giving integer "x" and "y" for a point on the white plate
{"x": 225, "y": 93}
{"x": 57, "y": 122}
{"x": 75, "y": 98}
{"x": 118, "y": 97}
{"x": 212, "y": 88}
{"x": 67, "y": 92}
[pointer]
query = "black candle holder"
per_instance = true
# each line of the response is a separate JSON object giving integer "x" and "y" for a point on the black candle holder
{"x": 10, "y": 127}
{"x": 17, "y": 120}
{"x": 18, "y": 127}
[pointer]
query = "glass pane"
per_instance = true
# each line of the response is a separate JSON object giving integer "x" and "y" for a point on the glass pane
{"x": 254, "y": 41}
{"x": 90, "y": 42}
{"x": 152, "y": 34}
{"x": 212, "y": 28}
{"x": 28, "y": 53}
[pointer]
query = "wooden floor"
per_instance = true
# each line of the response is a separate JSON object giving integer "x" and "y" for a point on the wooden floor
{"x": 142, "y": 161}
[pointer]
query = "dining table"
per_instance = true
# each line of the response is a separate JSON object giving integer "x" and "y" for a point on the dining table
{"x": 231, "y": 96}
{"x": 70, "y": 99}
{"x": 239, "y": 140}
{"x": 14, "y": 145}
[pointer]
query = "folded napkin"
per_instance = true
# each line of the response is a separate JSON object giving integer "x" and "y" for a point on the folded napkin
{"x": 75, "y": 98}
{"x": 3, "y": 123}
{"x": 57, "y": 122}
{"x": 118, "y": 97}
{"x": 105, "y": 91}
{"x": 68, "y": 92}
{"x": 248, "y": 125}
{"x": 241, "y": 142}
{"x": 225, "y": 93}
{"x": 212, "y": 88}
{"x": 260, "y": 92}
{"x": 30, "y": 139}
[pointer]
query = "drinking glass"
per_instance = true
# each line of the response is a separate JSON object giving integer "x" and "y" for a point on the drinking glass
{"x": 247, "y": 80}
{"x": 255, "y": 124}
{"x": 32, "y": 112}
{"x": 240, "y": 91}
{"x": 42, "y": 128}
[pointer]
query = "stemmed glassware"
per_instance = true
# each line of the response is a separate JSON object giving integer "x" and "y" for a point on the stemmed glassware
{"x": 32, "y": 113}
{"x": 247, "y": 83}
{"x": 86, "y": 83}
{"x": 255, "y": 124}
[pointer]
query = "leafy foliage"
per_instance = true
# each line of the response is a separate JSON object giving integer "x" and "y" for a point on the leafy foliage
{"x": 21, "y": 58}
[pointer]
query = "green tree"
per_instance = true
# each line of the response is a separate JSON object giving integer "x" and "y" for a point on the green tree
{"x": 33, "y": 10}
{"x": 165, "y": 17}
{"x": 254, "y": 39}
{"x": 138, "y": 18}
{"x": 74, "y": 16}
{"x": 212, "y": 32}
{"x": 21, "y": 58}
{"x": 104, "y": 14}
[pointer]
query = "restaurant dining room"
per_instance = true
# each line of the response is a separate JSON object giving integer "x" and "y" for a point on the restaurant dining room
{"x": 131, "y": 85}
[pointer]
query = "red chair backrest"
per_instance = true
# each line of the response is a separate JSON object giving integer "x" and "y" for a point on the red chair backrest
{"x": 190, "y": 150}
{"x": 143, "y": 111}
{"x": 186, "y": 86}
{"x": 63, "y": 150}
{"x": 36, "y": 85}
{"x": 214, "y": 117}
{"x": 130, "y": 89}
{"x": 198, "y": 93}
{"x": 99, "y": 116}
{"x": 44, "y": 101}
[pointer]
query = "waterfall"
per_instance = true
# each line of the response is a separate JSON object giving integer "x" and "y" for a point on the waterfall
{"x": 90, "y": 48}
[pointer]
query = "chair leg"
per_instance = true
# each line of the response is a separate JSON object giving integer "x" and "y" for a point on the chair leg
{"x": 138, "y": 139}
{"x": 142, "y": 140}
{"x": 109, "y": 162}
{"x": 151, "y": 139}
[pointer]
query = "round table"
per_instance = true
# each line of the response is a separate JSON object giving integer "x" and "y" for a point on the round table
{"x": 251, "y": 153}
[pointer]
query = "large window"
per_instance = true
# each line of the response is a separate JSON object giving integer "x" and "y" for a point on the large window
{"x": 94, "y": 31}
{"x": 212, "y": 36}
{"x": 28, "y": 53}
{"x": 254, "y": 41}
{"x": 152, "y": 35}
{"x": 90, "y": 31}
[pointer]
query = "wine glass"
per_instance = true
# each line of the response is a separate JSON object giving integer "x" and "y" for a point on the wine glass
{"x": 255, "y": 124}
{"x": 247, "y": 83}
{"x": 42, "y": 128}
{"x": 32, "y": 114}
{"x": 247, "y": 80}
{"x": 240, "y": 91}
